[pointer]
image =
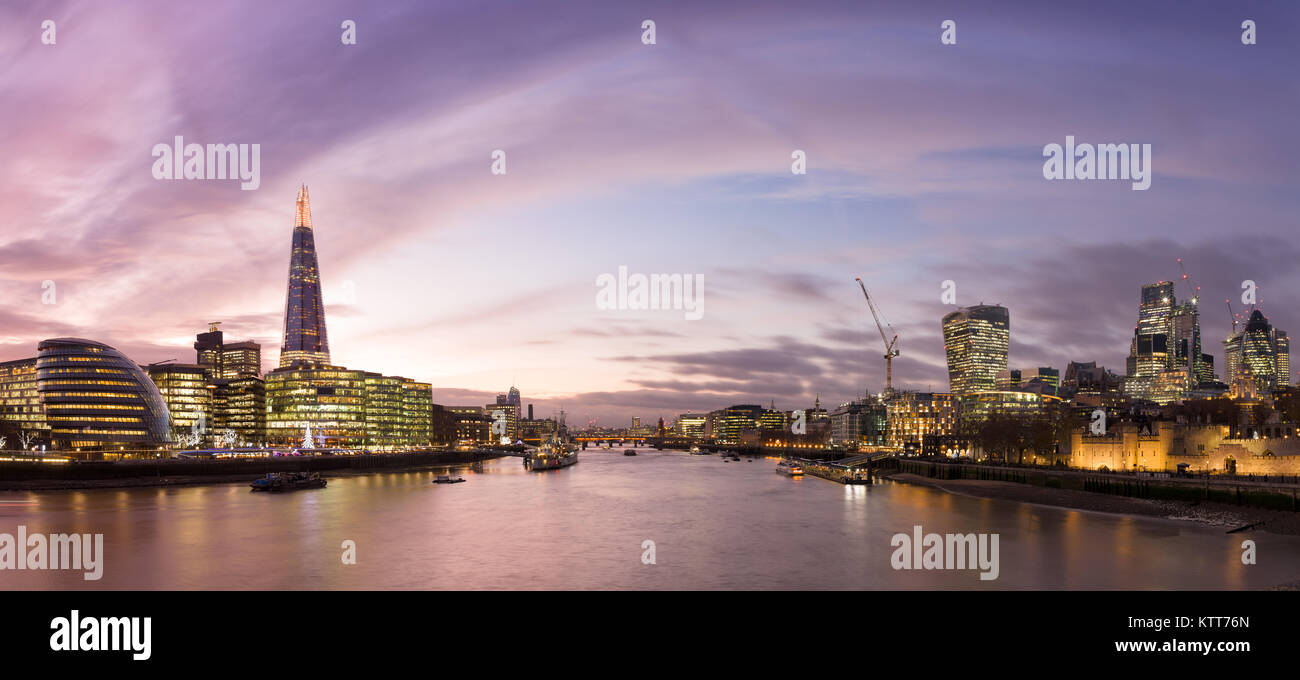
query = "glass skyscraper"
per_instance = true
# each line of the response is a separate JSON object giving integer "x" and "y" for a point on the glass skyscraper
{"x": 976, "y": 340}
{"x": 304, "y": 312}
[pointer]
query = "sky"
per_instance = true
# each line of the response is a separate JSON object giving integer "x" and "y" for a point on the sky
{"x": 924, "y": 165}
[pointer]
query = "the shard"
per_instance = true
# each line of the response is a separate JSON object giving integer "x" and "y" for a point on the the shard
{"x": 305, "y": 340}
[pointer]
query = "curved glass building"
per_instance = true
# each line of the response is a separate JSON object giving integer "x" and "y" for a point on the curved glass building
{"x": 95, "y": 397}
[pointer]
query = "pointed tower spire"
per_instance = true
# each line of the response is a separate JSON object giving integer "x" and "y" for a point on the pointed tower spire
{"x": 305, "y": 339}
{"x": 303, "y": 217}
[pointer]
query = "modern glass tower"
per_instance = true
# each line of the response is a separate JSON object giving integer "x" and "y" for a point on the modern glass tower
{"x": 976, "y": 341}
{"x": 305, "y": 340}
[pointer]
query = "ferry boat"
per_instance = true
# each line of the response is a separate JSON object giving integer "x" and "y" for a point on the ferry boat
{"x": 288, "y": 481}
{"x": 790, "y": 468}
{"x": 446, "y": 479}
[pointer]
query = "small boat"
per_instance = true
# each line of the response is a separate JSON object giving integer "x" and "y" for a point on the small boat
{"x": 695, "y": 451}
{"x": 790, "y": 468}
{"x": 629, "y": 452}
{"x": 288, "y": 481}
{"x": 446, "y": 479}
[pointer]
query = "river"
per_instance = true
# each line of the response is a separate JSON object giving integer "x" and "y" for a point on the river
{"x": 713, "y": 525}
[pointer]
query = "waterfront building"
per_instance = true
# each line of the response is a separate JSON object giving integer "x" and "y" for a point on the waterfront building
{"x": 384, "y": 411}
{"x": 690, "y": 424}
{"x": 417, "y": 412}
{"x": 21, "y": 411}
{"x": 735, "y": 420}
{"x": 305, "y": 338}
{"x": 980, "y": 406}
{"x": 188, "y": 394}
{"x": 922, "y": 423}
{"x": 509, "y": 413}
{"x": 472, "y": 424}
{"x": 96, "y": 398}
{"x": 329, "y": 399}
{"x": 239, "y": 406}
{"x": 858, "y": 423}
{"x": 976, "y": 340}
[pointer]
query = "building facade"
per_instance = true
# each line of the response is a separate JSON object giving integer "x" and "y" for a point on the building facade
{"x": 976, "y": 340}
{"x": 305, "y": 338}
{"x": 95, "y": 398}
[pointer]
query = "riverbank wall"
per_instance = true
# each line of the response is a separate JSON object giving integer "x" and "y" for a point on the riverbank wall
{"x": 1259, "y": 494}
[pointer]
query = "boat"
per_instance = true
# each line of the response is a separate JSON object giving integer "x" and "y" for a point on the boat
{"x": 446, "y": 479}
{"x": 629, "y": 452}
{"x": 695, "y": 451}
{"x": 288, "y": 481}
{"x": 555, "y": 453}
{"x": 787, "y": 467}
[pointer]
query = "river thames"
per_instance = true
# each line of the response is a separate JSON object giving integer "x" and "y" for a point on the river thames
{"x": 714, "y": 525}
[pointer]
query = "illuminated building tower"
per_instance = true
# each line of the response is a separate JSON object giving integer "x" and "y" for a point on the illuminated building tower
{"x": 1262, "y": 350}
{"x": 304, "y": 312}
{"x": 1165, "y": 358}
{"x": 976, "y": 340}
{"x": 513, "y": 397}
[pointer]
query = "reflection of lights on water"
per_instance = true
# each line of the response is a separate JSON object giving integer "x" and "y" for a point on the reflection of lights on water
{"x": 855, "y": 492}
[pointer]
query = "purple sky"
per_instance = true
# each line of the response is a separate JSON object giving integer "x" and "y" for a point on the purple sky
{"x": 924, "y": 164}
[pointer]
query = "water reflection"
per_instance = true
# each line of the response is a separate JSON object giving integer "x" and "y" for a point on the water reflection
{"x": 715, "y": 525}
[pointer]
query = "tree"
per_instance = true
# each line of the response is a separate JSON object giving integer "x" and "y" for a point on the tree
{"x": 26, "y": 438}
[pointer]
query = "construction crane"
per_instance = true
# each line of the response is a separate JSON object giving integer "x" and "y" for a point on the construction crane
{"x": 1194, "y": 290}
{"x": 891, "y": 345}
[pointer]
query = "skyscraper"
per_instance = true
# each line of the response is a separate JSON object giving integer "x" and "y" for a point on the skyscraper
{"x": 304, "y": 312}
{"x": 1165, "y": 358}
{"x": 1262, "y": 349}
{"x": 976, "y": 340}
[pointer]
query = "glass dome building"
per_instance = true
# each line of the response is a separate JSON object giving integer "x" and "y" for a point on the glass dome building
{"x": 97, "y": 398}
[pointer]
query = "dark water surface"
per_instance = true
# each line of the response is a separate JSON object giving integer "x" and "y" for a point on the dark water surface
{"x": 714, "y": 525}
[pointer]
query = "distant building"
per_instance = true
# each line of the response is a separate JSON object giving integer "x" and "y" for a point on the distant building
{"x": 1165, "y": 359}
{"x": 691, "y": 424}
{"x": 975, "y": 340}
{"x": 863, "y": 422}
{"x": 1265, "y": 350}
{"x": 227, "y": 361}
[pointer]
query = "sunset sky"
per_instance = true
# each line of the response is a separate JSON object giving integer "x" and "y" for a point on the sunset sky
{"x": 924, "y": 165}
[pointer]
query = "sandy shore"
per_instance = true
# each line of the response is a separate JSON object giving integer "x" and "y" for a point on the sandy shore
{"x": 1213, "y": 514}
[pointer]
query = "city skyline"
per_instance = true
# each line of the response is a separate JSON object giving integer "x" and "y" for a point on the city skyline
{"x": 504, "y": 266}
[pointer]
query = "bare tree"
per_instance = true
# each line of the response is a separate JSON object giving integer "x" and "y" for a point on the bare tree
{"x": 26, "y": 438}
